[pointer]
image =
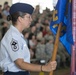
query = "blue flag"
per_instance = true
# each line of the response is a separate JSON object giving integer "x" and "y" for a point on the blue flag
{"x": 60, "y": 16}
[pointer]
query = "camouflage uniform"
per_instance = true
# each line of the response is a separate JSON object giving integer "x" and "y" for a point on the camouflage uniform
{"x": 63, "y": 54}
{"x": 40, "y": 50}
{"x": 49, "y": 49}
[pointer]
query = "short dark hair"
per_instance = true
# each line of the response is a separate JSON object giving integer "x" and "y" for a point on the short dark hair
{"x": 0, "y": 5}
{"x": 25, "y": 31}
{"x": 15, "y": 16}
{"x": 5, "y": 3}
{"x": 2, "y": 23}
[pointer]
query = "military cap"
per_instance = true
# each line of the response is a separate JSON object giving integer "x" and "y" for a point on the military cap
{"x": 21, "y": 7}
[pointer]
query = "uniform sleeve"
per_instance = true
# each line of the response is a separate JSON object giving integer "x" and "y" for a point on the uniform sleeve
{"x": 14, "y": 49}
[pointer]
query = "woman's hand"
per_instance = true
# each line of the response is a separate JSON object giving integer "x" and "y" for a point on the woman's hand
{"x": 50, "y": 66}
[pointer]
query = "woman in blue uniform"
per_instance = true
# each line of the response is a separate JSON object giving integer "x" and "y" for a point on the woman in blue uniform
{"x": 14, "y": 53}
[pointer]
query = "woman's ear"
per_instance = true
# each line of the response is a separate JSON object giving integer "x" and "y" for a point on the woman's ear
{"x": 20, "y": 19}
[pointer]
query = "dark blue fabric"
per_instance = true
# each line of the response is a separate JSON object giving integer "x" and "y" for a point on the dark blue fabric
{"x": 16, "y": 73}
{"x": 22, "y": 7}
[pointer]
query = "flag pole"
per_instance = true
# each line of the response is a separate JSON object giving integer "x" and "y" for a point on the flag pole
{"x": 56, "y": 46}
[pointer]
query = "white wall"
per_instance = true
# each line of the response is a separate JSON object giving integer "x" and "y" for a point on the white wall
{"x": 2, "y": 2}
{"x": 43, "y": 3}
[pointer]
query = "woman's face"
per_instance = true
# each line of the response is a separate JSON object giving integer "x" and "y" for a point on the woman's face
{"x": 26, "y": 20}
{"x": 33, "y": 37}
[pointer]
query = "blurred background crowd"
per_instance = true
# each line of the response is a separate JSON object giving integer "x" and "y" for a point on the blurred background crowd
{"x": 39, "y": 37}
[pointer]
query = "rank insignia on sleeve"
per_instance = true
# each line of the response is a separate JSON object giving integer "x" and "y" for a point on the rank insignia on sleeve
{"x": 14, "y": 45}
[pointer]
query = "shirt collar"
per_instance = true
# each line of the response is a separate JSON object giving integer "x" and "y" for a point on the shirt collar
{"x": 16, "y": 30}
